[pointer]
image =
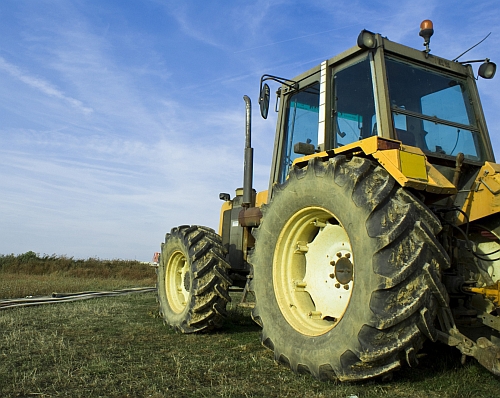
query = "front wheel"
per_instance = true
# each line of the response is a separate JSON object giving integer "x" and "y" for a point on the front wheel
{"x": 191, "y": 279}
{"x": 343, "y": 264}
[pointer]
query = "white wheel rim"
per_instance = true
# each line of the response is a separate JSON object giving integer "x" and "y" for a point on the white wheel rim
{"x": 177, "y": 281}
{"x": 313, "y": 271}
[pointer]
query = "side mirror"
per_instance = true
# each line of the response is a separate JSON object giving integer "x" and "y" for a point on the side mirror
{"x": 264, "y": 100}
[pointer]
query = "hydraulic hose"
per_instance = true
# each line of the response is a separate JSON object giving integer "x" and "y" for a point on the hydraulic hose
{"x": 68, "y": 297}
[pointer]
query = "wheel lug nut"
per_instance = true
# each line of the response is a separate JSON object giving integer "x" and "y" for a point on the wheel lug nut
{"x": 346, "y": 287}
{"x": 332, "y": 262}
{"x": 332, "y": 275}
{"x": 337, "y": 285}
{"x": 339, "y": 254}
{"x": 348, "y": 255}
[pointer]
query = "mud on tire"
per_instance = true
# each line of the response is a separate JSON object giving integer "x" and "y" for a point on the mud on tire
{"x": 192, "y": 281}
{"x": 346, "y": 267}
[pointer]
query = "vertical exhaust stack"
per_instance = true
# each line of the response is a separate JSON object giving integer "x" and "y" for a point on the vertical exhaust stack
{"x": 249, "y": 215}
{"x": 248, "y": 165}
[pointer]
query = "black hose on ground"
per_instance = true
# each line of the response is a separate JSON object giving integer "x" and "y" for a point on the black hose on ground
{"x": 68, "y": 297}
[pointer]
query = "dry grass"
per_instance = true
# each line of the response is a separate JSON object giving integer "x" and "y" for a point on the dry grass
{"x": 118, "y": 347}
{"x": 30, "y": 274}
{"x": 12, "y": 286}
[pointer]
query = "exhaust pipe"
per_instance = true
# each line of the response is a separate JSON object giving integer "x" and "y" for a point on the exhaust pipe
{"x": 248, "y": 165}
{"x": 249, "y": 216}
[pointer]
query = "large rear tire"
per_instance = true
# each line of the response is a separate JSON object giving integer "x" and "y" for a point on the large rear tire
{"x": 345, "y": 265}
{"x": 192, "y": 282}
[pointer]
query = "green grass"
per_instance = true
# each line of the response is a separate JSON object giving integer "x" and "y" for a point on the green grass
{"x": 119, "y": 347}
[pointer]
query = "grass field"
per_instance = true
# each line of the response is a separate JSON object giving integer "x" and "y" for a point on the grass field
{"x": 119, "y": 347}
{"x": 30, "y": 274}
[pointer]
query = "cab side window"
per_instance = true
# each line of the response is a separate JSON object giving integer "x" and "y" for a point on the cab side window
{"x": 302, "y": 119}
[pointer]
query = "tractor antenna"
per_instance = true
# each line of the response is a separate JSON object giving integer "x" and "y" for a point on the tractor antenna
{"x": 475, "y": 45}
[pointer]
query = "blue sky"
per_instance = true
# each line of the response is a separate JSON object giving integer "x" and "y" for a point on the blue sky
{"x": 122, "y": 119}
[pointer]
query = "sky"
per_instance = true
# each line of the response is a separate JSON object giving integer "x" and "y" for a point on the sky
{"x": 122, "y": 119}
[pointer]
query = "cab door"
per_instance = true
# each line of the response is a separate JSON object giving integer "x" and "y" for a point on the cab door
{"x": 298, "y": 121}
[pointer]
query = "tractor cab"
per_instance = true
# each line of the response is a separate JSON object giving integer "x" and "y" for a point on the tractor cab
{"x": 385, "y": 89}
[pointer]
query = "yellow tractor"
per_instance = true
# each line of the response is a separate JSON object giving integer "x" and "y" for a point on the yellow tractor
{"x": 380, "y": 228}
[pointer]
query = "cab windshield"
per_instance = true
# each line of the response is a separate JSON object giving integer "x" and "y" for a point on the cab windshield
{"x": 432, "y": 111}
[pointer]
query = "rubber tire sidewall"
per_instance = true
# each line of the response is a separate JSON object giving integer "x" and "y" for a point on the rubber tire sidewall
{"x": 173, "y": 244}
{"x": 328, "y": 348}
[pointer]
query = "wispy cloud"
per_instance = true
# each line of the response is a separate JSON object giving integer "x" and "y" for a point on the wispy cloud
{"x": 42, "y": 85}
{"x": 184, "y": 16}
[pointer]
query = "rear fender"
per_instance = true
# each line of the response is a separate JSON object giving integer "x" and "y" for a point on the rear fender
{"x": 407, "y": 165}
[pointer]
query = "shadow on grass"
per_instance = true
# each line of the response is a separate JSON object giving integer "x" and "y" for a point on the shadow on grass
{"x": 434, "y": 358}
{"x": 439, "y": 370}
{"x": 239, "y": 321}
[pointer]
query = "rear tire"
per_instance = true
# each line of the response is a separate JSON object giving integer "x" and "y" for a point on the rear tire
{"x": 343, "y": 264}
{"x": 192, "y": 281}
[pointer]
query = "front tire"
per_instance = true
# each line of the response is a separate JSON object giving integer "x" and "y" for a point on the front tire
{"x": 191, "y": 279}
{"x": 343, "y": 266}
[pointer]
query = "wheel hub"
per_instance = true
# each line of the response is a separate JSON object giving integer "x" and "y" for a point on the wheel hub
{"x": 329, "y": 271}
{"x": 187, "y": 282}
{"x": 313, "y": 271}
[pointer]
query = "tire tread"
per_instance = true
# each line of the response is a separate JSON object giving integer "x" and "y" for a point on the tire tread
{"x": 408, "y": 257}
{"x": 209, "y": 280}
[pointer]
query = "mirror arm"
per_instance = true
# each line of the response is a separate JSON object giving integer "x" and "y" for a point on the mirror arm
{"x": 286, "y": 82}
{"x": 291, "y": 84}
